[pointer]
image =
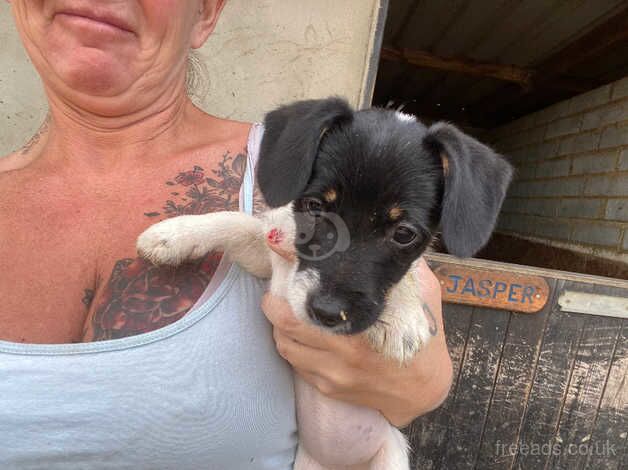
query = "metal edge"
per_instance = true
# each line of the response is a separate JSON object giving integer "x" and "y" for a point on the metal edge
{"x": 593, "y": 304}
{"x": 368, "y": 85}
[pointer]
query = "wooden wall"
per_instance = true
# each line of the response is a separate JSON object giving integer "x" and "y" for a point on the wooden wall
{"x": 532, "y": 391}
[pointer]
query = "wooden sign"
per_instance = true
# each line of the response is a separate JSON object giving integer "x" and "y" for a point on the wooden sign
{"x": 491, "y": 288}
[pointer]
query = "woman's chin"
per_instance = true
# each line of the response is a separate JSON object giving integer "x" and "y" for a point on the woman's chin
{"x": 102, "y": 68}
{"x": 92, "y": 74}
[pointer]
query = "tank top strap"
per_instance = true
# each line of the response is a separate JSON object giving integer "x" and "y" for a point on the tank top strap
{"x": 252, "y": 153}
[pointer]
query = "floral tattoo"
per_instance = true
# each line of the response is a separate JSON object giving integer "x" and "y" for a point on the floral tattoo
{"x": 203, "y": 194}
{"x": 88, "y": 296}
{"x": 140, "y": 297}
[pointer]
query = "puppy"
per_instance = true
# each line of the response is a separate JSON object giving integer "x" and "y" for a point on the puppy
{"x": 357, "y": 196}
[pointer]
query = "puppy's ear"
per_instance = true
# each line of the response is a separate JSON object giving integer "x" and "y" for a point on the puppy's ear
{"x": 476, "y": 180}
{"x": 291, "y": 140}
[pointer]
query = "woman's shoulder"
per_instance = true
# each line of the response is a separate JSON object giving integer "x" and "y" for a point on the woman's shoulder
{"x": 13, "y": 168}
{"x": 23, "y": 156}
{"x": 213, "y": 129}
{"x": 9, "y": 162}
{"x": 211, "y": 135}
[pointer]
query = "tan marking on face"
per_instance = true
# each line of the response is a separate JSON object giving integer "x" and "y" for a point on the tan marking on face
{"x": 445, "y": 159}
{"x": 395, "y": 213}
{"x": 330, "y": 195}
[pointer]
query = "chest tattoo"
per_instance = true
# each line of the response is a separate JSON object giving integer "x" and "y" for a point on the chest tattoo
{"x": 140, "y": 297}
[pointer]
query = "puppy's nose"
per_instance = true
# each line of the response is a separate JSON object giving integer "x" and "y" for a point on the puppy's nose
{"x": 327, "y": 311}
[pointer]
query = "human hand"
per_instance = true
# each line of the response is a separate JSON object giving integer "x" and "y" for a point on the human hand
{"x": 346, "y": 367}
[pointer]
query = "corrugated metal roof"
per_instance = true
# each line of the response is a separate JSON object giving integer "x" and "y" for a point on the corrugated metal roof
{"x": 518, "y": 32}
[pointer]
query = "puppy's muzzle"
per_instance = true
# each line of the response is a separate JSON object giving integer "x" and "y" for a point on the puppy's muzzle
{"x": 327, "y": 311}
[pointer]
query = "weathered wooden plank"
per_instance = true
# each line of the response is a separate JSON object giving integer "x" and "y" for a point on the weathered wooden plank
{"x": 512, "y": 387}
{"x": 553, "y": 372}
{"x": 538, "y": 383}
{"x": 420, "y": 58}
{"x": 584, "y": 393}
{"x": 474, "y": 389}
{"x": 427, "y": 434}
{"x": 611, "y": 423}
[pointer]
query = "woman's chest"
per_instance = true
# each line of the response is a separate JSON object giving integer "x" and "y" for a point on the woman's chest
{"x": 46, "y": 260}
{"x": 85, "y": 282}
{"x": 69, "y": 271}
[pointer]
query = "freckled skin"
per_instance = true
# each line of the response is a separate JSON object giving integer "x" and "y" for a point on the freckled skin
{"x": 87, "y": 241}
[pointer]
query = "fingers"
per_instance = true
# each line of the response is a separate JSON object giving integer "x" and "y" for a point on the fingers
{"x": 300, "y": 356}
{"x": 351, "y": 348}
{"x": 322, "y": 369}
{"x": 279, "y": 313}
{"x": 333, "y": 381}
{"x": 321, "y": 384}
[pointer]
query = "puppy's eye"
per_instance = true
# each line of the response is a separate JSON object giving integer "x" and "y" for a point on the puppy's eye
{"x": 313, "y": 206}
{"x": 404, "y": 235}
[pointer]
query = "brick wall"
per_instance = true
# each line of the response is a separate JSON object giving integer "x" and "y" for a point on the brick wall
{"x": 571, "y": 187}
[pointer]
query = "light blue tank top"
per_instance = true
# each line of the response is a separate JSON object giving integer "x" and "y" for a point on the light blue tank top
{"x": 206, "y": 392}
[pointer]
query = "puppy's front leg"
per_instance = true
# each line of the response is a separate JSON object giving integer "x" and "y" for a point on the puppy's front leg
{"x": 189, "y": 237}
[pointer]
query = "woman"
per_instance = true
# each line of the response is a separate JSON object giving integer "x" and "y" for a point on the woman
{"x": 173, "y": 368}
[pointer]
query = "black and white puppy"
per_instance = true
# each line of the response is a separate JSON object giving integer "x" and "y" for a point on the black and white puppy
{"x": 359, "y": 195}
{"x": 382, "y": 176}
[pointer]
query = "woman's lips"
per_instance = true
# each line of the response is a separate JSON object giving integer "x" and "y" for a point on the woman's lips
{"x": 104, "y": 23}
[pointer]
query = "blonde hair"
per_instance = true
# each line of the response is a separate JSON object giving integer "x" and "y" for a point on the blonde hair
{"x": 196, "y": 78}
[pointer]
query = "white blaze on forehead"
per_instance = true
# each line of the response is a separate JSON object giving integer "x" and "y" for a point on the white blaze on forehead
{"x": 403, "y": 117}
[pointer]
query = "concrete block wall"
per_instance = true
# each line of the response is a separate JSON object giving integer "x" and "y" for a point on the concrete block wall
{"x": 571, "y": 187}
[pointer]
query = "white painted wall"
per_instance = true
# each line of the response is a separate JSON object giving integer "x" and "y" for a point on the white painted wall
{"x": 263, "y": 53}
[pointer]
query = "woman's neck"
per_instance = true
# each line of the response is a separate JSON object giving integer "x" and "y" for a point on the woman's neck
{"x": 77, "y": 137}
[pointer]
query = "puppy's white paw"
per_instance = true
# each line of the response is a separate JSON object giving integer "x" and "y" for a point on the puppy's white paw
{"x": 403, "y": 329}
{"x": 398, "y": 343}
{"x": 171, "y": 242}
